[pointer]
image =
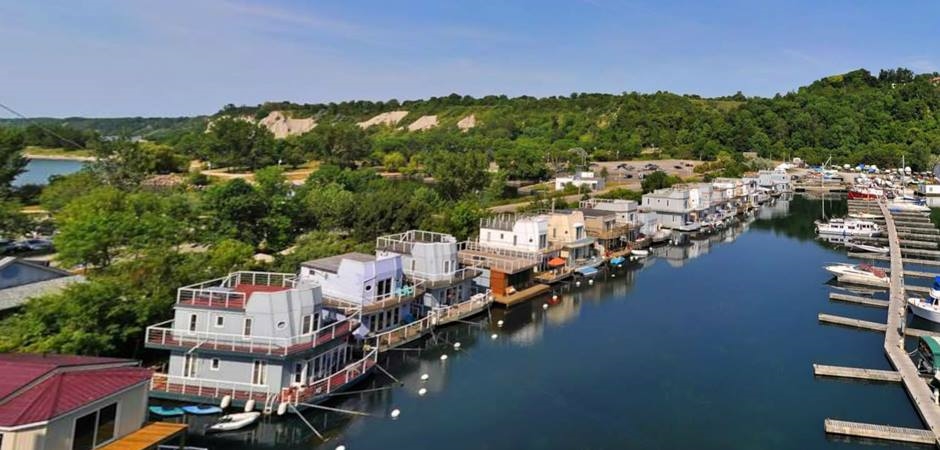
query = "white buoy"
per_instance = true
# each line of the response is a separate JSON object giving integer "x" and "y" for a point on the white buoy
{"x": 500, "y": 323}
{"x": 340, "y": 447}
{"x": 544, "y": 305}
{"x": 422, "y": 391}
{"x": 250, "y": 405}
{"x": 555, "y": 297}
{"x": 226, "y": 402}
{"x": 443, "y": 357}
{"x": 577, "y": 283}
{"x": 456, "y": 345}
{"x": 282, "y": 408}
{"x": 613, "y": 275}
{"x": 424, "y": 377}
{"x": 395, "y": 413}
{"x": 494, "y": 336}
{"x": 591, "y": 281}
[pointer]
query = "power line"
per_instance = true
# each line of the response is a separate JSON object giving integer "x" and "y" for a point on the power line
{"x": 41, "y": 126}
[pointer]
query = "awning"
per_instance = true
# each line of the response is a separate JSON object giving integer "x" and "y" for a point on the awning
{"x": 586, "y": 271}
{"x": 556, "y": 262}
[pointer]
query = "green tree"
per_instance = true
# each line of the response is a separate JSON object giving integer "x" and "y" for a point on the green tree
{"x": 12, "y": 162}
{"x": 459, "y": 174}
{"x": 239, "y": 143}
{"x": 657, "y": 180}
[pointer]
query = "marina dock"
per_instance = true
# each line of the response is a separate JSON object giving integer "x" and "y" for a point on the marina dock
{"x": 823, "y": 370}
{"x": 850, "y": 322}
{"x": 875, "y": 303}
{"x": 885, "y": 432}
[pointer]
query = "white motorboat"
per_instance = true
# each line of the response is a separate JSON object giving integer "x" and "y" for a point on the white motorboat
{"x": 848, "y": 227}
{"x": 927, "y": 308}
{"x": 661, "y": 235}
{"x": 863, "y": 216}
{"x": 859, "y": 274}
{"x": 640, "y": 253}
{"x": 907, "y": 206}
{"x": 234, "y": 422}
{"x": 866, "y": 247}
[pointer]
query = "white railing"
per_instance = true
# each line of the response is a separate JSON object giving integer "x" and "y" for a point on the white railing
{"x": 471, "y": 253}
{"x": 404, "y": 242}
{"x": 450, "y": 277}
{"x": 218, "y": 292}
{"x": 403, "y": 334}
{"x": 476, "y": 303}
{"x": 406, "y": 292}
{"x": 338, "y": 379}
{"x": 164, "y": 334}
{"x": 203, "y": 387}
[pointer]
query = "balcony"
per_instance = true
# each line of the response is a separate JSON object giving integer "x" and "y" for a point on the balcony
{"x": 163, "y": 335}
{"x": 471, "y": 253}
{"x": 234, "y": 290}
{"x": 403, "y": 294}
{"x": 612, "y": 232}
{"x": 437, "y": 280}
{"x": 402, "y": 243}
{"x": 170, "y": 386}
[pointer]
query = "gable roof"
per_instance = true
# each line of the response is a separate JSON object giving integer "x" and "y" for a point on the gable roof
{"x": 36, "y": 388}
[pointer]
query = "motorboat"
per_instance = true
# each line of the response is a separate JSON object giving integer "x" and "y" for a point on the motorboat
{"x": 927, "y": 308}
{"x": 234, "y": 422}
{"x": 907, "y": 206}
{"x": 848, "y": 227}
{"x": 859, "y": 274}
{"x": 866, "y": 247}
{"x": 928, "y": 355}
{"x": 661, "y": 235}
{"x": 865, "y": 193}
{"x": 617, "y": 260}
{"x": 640, "y": 253}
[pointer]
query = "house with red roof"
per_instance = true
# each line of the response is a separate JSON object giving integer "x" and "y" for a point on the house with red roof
{"x": 62, "y": 402}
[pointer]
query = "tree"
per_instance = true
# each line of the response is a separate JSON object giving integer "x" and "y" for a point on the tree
{"x": 318, "y": 244}
{"x": 657, "y": 180}
{"x": 394, "y": 161}
{"x": 331, "y": 206}
{"x": 342, "y": 144}
{"x": 12, "y": 162}
{"x": 237, "y": 210}
{"x": 239, "y": 143}
{"x": 122, "y": 163}
{"x": 459, "y": 174}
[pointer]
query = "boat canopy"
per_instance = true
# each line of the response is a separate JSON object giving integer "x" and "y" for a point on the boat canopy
{"x": 587, "y": 271}
{"x": 936, "y": 283}
{"x": 932, "y": 344}
{"x": 556, "y": 262}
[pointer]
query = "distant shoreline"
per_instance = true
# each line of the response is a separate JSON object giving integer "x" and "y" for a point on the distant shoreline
{"x": 60, "y": 157}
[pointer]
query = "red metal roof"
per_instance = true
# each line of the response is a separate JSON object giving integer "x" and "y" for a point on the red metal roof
{"x": 36, "y": 388}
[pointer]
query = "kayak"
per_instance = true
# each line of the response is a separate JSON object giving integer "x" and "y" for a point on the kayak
{"x": 198, "y": 410}
{"x": 166, "y": 412}
{"x": 234, "y": 422}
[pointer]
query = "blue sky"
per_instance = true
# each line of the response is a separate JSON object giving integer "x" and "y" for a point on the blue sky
{"x": 183, "y": 57}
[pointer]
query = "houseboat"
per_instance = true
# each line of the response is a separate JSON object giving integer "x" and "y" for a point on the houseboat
{"x": 258, "y": 340}
{"x": 374, "y": 287}
{"x": 848, "y": 227}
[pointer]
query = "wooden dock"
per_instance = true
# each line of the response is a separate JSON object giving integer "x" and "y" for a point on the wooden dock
{"x": 877, "y": 257}
{"x": 521, "y": 296}
{"x": 919, "y": 274}
{"x": 823, "y": 370}
{"x": 885, "y": 432}
{"x": 865, "y": 301}
{"x": 917, "y": 289}
{"x": 906, "y": 242}
{"x": 850, "y": 322}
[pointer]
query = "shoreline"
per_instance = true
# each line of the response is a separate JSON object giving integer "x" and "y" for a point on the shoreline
{"x": 32, "y": 156}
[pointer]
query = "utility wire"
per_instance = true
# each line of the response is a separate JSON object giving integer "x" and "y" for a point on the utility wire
{"x": 41, "y": 126}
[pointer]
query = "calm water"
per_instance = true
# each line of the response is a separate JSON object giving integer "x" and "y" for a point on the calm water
{"x": 38, "y": 171}
{"x": 709, "y": 347}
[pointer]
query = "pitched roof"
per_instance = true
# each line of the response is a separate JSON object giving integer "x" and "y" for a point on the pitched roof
{"x": 331, "y": 263}
{"x": 36, "y": 388}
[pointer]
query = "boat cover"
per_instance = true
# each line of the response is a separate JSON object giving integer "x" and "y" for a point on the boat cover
{"x": 556, "y": 262}
{"x": 934, "y": 344}
{"x": 936, "y": 283}
{"x": 586, "y": 271}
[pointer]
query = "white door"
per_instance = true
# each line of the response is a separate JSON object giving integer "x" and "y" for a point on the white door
{"x": 259, "y": 372}
{"x": 189, "y": 366}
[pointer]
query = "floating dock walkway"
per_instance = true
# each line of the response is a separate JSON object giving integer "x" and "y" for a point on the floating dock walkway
{"x": 865, "y": 301}
{"x": 873, "y": 431}
{"x": 822, "y": 370}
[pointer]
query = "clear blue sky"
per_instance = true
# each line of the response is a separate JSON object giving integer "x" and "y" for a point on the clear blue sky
{"x": 184, "y": 57}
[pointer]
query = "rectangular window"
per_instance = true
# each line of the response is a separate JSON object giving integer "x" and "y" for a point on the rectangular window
{"x": 83, "y": 436}
{"x": 306, "y": 327}
{"x": 515, "y": 239}
{"x": 246, "y": 331}
{"x": 381, "y": 322}
{"x": 317, "y": 366}
{"x": 384, "y": 287}
{"x": 299, "y": 369}
{"x": 106, "y": 420}
{"x": 189, "y": 365}
{"x": 216, "y": 363}
{"x": 192, "y": 322}
{"x": 219, "y": 321}
{"x": 397, "y": 317}
{"x": 259, "y": 372}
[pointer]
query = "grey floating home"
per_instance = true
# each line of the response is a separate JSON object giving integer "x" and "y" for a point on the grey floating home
{"x": 260, "y": 338}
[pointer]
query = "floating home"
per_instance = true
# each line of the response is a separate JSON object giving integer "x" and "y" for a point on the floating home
{"x": 609, "y": 234}
{"x": 257, "y": 339}
{"x": 676, "y": 208}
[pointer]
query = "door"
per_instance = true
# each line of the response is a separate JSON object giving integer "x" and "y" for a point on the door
{"x": 259, "y": 372}
{"x": 189, "y": 366}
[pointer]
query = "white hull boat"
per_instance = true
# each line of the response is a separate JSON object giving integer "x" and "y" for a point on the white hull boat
{"x": 847, "y": 227}
{"x": 234, "y": 422}
{"x": 640, "y": 253}
{"x": 867, "y": 248}
{"x": 864, "y": 216}
{"x": 859, "y": 274}
{"x": 925, "y": 308}
{"x": 902, "y": 206}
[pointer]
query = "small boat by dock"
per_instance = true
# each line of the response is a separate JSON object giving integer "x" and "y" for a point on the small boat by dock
{"x": 234, "y": 422}
{"x": 587, "y": 271}
{"x": 866, "y": 247}
{"x": 928, "y": 355}
{"x": 640, "y": 253}
{"x": 859, "y": 274}
{"x": 848, "y": 227}
{"x": 166, "y": 412}
{"x": 617, "y": 260}
{"x": 863, "y": 216}
{"x": 928, "y": 308}
{"x": 201, "y": 410}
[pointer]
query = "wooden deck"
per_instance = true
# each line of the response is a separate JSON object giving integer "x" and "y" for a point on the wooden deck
{"x": 149, "y": 436}
{"x": 856, "y": 373}
{"x": 521, "y": 296}
{"x": 849, "y": 322}
{"x": 868, "y": 430}
{"x": 865, "y": 301}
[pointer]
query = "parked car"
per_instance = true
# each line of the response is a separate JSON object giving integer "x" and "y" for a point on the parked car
{"x": 7, "y": 246}
{"x": 677, "y": 167}
{"x": 36, "y": 245}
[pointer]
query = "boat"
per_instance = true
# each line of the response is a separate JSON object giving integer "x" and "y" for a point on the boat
{"x": 928, "y": 355}
{"x": 200, "y": 410}
{"x": 617, "y": 260}
{"x": 859, "y": 274}
{"x": 234, "y": 422}
{"x": 864, "y": 216}
{"x": 866, "y": 247}
{"x": 848, "y": 227}
{"x": 928, "y": 308}
{"x": 166, "y": 412}
{"x": 903, "y": 206}
{"x": 865, "y": 193}
{"x": 586, "y": 271}
{"x": 640, "y": 253}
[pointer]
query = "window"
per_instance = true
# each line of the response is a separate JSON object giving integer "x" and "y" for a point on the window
{"x": 219, "y": 321}
{"x": 281, "y": 325}
{"x": 259, "y": 372}
{"x": 95, "y": 428}
{"x": 216, "y": 363}
{"x": 299, "y": 371}
{"x": 189, "y": 365}
{"x": 384, "y": 287}
{"x": 306, "y": 326}
{"x": 515, "y": 240}
{"x": 192, "y": 322}
{"x": 501, "y": 237}
{"x": 246, "y": 331}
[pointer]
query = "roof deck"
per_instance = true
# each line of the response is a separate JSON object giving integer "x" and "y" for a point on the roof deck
{"x": 471, "y": 253}
{"x": 234, "y": 290}
{"x": 403, "y": 294}
{"x": 403, "y": 243}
